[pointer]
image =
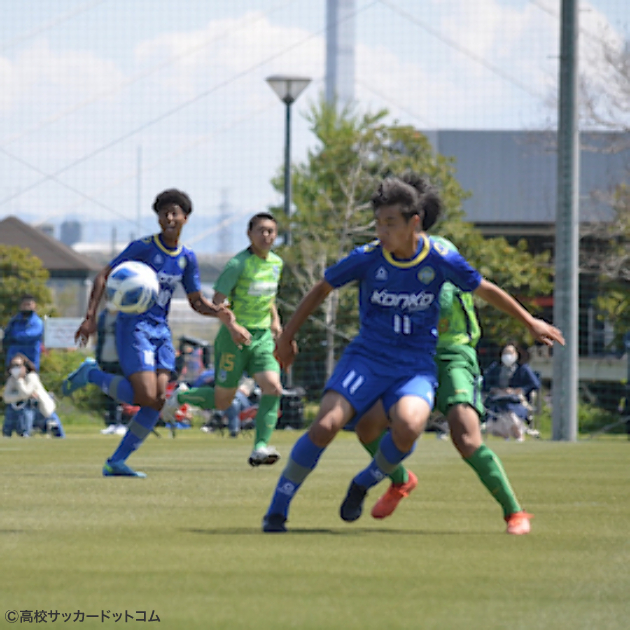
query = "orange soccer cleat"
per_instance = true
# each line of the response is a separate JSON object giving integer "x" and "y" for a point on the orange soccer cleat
{"x": 386, "y": 505}
{"x": 518, "y": 523}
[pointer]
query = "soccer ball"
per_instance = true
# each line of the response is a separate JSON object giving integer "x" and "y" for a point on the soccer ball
{"x": 132, "y": 288}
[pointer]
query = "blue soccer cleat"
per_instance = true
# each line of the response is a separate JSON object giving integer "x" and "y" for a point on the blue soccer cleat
{"x": 120, "y": 469}
{"x": 352, "y": 505}
{"x": 274, "y": 523}
{"x": 79, "y": 378}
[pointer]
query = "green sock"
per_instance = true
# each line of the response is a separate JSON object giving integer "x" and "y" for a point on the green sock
{"x": 490, "y": 471}
{"x": 400, "y": 475}
{"x": 199, "y": 396}
{"x": 266, "y": 419}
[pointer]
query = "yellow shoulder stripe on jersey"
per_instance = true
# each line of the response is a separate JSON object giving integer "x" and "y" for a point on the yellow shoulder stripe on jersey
{"x": 170, "y": 252}
{"x": 406, "y": 264}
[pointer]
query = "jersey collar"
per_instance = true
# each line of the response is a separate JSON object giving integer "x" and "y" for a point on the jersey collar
{"x": 406, "y": 264}
{"x": 170, "y": 252}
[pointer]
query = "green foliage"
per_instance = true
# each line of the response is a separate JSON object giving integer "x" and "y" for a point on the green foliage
{"x": 591, "y": 418}
{"x": 613, "y": 263}
{"x": 55, "y": 366}
{"x": 331, "y": 194}
{"x": 21, "y": 272}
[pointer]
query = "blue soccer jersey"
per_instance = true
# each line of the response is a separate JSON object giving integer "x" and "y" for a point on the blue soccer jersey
{"x": 144, "y": 341}
{"x": 172, "y": 266}
{"x": 398, "y": 299}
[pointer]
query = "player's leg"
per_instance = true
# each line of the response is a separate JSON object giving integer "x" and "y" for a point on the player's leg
{"x": 333, "y": 414}
{"x": 266, "y": 371}
{"x": 409, "y": 403}
{"x": 228, "y": 369}
{"x": 459, "y": 399}
{"x": 153, "y": 353}
{"x": 370, "y": 430}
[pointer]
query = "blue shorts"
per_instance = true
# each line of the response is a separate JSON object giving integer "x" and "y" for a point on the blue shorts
{"x": 143, "y": 346}
{"x": 362, "y": 381}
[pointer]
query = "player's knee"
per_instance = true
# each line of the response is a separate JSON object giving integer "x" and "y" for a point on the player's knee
{"x": 322, "y": 433}
{"x": 272, "y": 389}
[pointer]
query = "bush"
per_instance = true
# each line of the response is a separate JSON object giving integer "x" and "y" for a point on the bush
{"x": 55, "y": 365}
{"x": 590, "y": 419}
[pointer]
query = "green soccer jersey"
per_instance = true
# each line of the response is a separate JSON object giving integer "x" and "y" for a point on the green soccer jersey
{"x": 250, "y": 283}
{"x": 458, "y": 324}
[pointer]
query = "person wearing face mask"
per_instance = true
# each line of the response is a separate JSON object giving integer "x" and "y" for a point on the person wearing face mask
{"x": 24, "y": 333}
{"x": 509, "y": 385}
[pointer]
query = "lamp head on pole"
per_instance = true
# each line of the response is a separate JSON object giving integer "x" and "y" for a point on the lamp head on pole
{"x": 288, "y": 88}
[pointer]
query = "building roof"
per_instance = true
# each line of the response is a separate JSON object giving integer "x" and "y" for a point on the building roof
{"x": 512, "y": 175}
{"x": 55, "y": 256}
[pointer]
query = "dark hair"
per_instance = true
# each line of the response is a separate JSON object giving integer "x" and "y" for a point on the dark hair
{"x": 27, "y": 296}
{"x": 259, "y": 217}
{"x": 175, "y": 197}
{"x": 514, "y": 344}
{"x": 392, "y": 192}
{"x": 28, "y": 364}
{"x": 431, "y": 202}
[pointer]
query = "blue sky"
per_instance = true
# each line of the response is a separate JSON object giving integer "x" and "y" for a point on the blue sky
{"x": 85, "y": 85}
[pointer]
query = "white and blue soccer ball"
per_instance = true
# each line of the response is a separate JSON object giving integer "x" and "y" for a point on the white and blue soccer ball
{"x": 132, "y": 288}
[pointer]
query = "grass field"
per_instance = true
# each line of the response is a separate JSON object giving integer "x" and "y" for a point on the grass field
{"x": 186, "y": 541}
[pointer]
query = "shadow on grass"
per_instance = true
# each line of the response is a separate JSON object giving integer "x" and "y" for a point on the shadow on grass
{"x": 342, "y": 531}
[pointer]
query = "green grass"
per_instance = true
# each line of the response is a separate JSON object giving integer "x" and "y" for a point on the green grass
{"x": 186, "y": 541}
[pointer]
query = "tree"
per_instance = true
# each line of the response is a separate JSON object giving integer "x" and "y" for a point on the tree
{"x": 605, "y": 245}
{"x": 20, "y": 273}
{"x": 331, "y": 193}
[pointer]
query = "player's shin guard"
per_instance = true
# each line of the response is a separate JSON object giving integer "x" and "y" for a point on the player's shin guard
{"x": 141, "y": 425}
{"x": 115, "y": 386}
{"x": 385, "y": 462}
{"x": 400, "y": 474}
{"x": 302, "y": 460}
{"x": 266, "y": 419}
{"x": 492, "y": 475}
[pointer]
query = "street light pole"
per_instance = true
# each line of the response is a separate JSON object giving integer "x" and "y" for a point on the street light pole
{"x": 288, "y": 88}
{"x": 287, "y": 172}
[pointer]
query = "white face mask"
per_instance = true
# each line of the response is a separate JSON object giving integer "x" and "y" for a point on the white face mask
{"x": 508, "y": 359}
{"x": 16, "y": 371}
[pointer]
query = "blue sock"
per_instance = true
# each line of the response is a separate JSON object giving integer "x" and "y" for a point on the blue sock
{"x": 386, "y": 460}
{"x": 113, "y": 385}
{"x": 302, "y": 461}
{"x": 139, "y": 427}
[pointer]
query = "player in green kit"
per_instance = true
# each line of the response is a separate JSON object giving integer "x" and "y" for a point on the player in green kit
{"x": 249, "y": 282}
{"x": 458, "y": 398}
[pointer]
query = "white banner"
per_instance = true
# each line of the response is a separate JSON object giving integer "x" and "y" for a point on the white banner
{"x": 59, "y": 331}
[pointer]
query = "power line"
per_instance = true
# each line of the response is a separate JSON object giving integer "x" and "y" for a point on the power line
{"x": 459, "y": 48}
{"x": 48, "y": 25}
{"x": 176, "y": 109}
{"x": 141, "y": 75}
{"x": 388, "y": 99}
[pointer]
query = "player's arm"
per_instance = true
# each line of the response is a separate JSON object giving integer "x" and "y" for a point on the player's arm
{"x": 88, "y": 325}
{"x": 541, "y": 330}
{"x": 276, "y": 326}
{"x": 285, "y": 345}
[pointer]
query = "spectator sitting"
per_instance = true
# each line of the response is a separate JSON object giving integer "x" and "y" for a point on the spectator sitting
{"x": 28, "y": 402}
{"x": 107, "y": 359}
{"x": 24, "y": 333}
{"x": 510, "y": 385}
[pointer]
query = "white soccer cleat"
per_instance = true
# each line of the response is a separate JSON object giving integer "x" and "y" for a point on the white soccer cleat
{"x": 264, "y": 456}
{"x": 172, "y": 404}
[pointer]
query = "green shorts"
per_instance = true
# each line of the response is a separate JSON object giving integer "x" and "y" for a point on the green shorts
{"x": 459, "y": 379}
{"x": 230, "y": 362}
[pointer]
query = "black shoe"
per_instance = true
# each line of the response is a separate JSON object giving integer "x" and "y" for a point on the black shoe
{"x": 274, "y": 523}
{"x": 352, "y": 505}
